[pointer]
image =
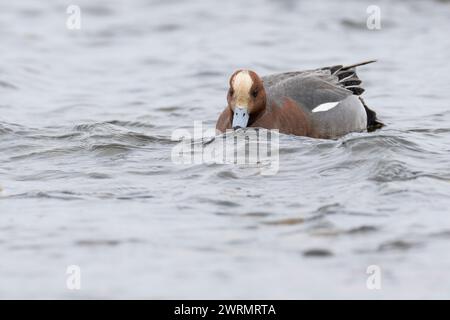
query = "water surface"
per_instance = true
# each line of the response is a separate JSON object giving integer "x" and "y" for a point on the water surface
{"x": 86, "y": 118}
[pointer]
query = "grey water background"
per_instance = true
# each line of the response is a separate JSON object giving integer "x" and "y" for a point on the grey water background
{"x": 86, "y": 118}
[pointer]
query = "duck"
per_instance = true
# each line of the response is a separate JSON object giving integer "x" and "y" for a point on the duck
{"x": 323, "y": 103}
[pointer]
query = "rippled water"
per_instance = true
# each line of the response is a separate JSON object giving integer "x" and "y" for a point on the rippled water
{"x": 86, "y": 118}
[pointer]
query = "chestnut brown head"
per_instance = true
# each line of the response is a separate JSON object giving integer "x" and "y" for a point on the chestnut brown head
{"x": 246, "y": 98}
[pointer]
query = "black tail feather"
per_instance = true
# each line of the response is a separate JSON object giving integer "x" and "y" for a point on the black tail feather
{"x": 347, "y": 76}
{"x": 372, "y": 122}
{"x": 358, "y": 64}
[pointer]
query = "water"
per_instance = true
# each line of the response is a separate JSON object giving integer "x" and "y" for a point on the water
{"x": 86, "y": 118}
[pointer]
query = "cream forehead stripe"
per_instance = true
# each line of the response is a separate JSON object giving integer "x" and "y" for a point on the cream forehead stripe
{"x": 242, "y": 83}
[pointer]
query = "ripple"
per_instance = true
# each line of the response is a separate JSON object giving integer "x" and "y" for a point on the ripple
{"x": 354, "y": 24}
{"x": 222, "y": 203}
{"x": 227, "y": 175}
{"x": 110, "y": 149}
{"x": 98, "y": 10}
{"x": 98, "y": 175}
{"x": 430, "y": 131}
{"x": 56, "y": 136}
{"x": 119, "y": 130}
{"x": 7, "y": 85}
{"x": 285, "y": 222}
{"x": 444, "y": 234}
{"x": 106, "y": 242}
{"x": 362, "y": 24}
{"x": 169, "y": 109}
{"x": 317, "y": 253}
{"x": 46, "y": 153}
{"x": 392, "y": 170}
{"x": 398, "y": 245}
{"x": 130, "y": 124}
{"x": 97, "y": 242}
{"x": 362, "y": 230}
{"x": 207, "y": 74}
{"x": 167, "y": 27}
{"x": 256, "y": 214}
{"x": 68, "y": 195}
{"x": 382, "y": 142}
{"x": 6, "y": 128}
{"x": 61, "y": 195}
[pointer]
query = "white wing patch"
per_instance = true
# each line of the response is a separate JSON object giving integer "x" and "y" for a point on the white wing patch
{"x": 325, "y": 106}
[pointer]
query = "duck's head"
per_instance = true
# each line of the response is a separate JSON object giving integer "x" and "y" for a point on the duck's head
{"x": 246, "y": 98}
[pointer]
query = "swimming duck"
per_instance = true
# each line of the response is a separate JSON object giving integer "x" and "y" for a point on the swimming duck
{"x": 319, "y": 103}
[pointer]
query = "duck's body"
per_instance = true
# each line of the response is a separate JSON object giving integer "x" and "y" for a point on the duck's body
{"x": 321, "y": 103}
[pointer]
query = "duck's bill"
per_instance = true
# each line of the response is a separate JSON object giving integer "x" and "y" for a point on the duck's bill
{"x": 240, "y": 118}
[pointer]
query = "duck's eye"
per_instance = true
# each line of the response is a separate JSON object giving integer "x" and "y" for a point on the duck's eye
{"x": 255, "y": 93}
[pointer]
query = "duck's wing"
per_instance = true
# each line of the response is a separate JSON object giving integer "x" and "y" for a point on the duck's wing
{"x": 338, "y": 75}
{"x": 311, "y": 90}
